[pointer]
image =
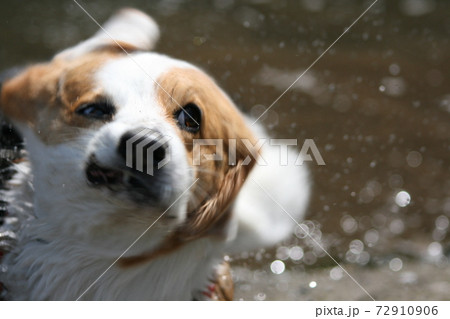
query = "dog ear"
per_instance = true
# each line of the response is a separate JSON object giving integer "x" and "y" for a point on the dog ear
{"x": 15, "y": 90}
{"x": 23, "y": 94}
{"x": 216, "y": 210}
{"x": 129, "y": 30}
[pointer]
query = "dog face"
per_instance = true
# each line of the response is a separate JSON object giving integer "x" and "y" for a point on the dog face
{"x": 100, "y": 106}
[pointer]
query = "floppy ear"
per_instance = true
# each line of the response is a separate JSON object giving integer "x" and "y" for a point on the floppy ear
{"x": 217, "y": 208}
{"x": 128, "y": 28}
{"x": 10, "y": 101}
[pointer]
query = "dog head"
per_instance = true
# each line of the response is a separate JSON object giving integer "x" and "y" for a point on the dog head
{"x": 111, "y": 131}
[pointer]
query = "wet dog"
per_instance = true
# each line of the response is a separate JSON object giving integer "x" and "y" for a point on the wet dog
{"x": 141, "y": 175}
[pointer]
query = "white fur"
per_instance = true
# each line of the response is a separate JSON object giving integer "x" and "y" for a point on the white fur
{"x": 67, "y": 239}
{"x": 127, "y": 26}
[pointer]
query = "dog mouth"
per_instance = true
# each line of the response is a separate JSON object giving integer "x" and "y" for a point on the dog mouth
{"x": 98, "y": 175}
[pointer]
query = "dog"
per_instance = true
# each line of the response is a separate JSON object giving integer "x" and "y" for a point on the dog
{"x": 100, "y": 217}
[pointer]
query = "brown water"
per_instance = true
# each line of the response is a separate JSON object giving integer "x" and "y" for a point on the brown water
{"x": 377, "y": 106}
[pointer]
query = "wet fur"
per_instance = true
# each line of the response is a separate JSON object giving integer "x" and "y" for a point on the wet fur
{"x": 69, "y": 233}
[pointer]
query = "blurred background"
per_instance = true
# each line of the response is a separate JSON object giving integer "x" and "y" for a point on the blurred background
{"x": 377, "y": 106}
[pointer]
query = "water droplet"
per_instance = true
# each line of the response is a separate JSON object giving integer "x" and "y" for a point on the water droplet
{"x": 349, "y": 224}
{"x": 414, "y": 159}
{"x": 310, "y": 225}
{"x": 363, "y": 258}
{"x": 356, "y": 246}
{"x": 444, "y": 104}
{"x": 442, "y": 222}
{"x": 396, "y": 264}
{"x": 394, "y": 69}
{"x": 336, "y": 273}
{"x": 260, "y": 296}
{"x": 371, "y": 237}
{"x": 351, "y": 257}
{"x": 301, "y": 231}
{"x": 277, "y": 267}
{"x": 296, "y": 253}
{"x": 402, "y": 199}
{"x": 329, "y": 147}
{"x": 282, "y": 253}
{"x": 435, "y": 249}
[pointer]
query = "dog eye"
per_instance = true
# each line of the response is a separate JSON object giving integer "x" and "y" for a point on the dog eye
{"x": 189, "y": 118}
{"x": 98, "y": 111}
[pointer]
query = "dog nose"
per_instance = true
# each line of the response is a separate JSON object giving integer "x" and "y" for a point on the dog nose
{"x": 142, "y": 148}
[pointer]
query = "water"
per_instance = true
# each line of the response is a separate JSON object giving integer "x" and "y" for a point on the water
{"x": 377, "y": 106}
